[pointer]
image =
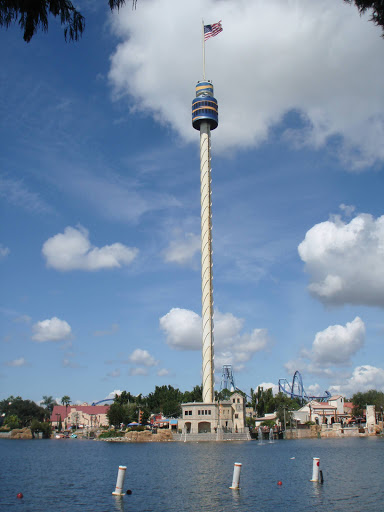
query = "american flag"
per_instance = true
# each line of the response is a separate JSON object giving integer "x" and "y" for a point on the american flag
{"x": 212, "y": 30}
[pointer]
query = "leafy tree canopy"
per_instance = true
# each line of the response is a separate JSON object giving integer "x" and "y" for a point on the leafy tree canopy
{"x": 361, "y": 400}
{"x": 24, "y": 411}
{"x": 376, "y": 7}
{"x": 33, "y": 15}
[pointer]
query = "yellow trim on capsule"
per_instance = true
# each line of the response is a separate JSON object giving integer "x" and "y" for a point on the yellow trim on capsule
{"x": 200, "y": 87}
{"x": 201, "y": 108}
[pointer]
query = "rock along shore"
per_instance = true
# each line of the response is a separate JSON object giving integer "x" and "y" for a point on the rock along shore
{"x": 141, "y": 437}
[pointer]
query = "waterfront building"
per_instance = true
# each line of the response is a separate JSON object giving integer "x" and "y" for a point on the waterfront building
{"x": 81, "y": 416}
{"x": 211, "y": 417}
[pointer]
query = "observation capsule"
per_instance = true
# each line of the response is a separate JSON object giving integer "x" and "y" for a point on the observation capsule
{"x": 204, "y": 106}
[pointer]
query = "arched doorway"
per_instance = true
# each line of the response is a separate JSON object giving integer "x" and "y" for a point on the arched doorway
{"x": 204, "y": 427}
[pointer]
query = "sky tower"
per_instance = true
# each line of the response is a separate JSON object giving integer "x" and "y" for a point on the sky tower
{"x": 205, "y": 119}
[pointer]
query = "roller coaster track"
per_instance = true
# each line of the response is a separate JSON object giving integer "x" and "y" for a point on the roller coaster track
{"x": 296, "y": 390}
{"x": 102, "y": 401}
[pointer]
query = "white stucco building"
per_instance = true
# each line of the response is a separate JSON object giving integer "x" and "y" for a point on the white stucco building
{"x": 224, "y": 416}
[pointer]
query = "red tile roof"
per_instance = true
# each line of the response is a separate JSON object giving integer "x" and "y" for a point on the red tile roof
{"x": 87, "y": 409}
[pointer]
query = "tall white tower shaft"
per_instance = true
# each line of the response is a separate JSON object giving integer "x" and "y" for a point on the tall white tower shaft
{"x": 206, "y": 262}
{"x": 205, "y": 119}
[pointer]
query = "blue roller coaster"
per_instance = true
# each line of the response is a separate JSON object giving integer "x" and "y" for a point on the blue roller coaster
{"x": 296, "y": 390}
{"x": 102, "y": 401}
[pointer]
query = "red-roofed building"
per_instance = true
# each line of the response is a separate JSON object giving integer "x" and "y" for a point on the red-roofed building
{"x": 82, "y": 416}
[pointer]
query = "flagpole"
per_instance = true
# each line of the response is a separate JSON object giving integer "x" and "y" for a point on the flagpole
{"x": 203, "y": 49}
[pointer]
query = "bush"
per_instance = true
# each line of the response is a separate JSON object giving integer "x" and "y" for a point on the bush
{"x": 111, "y": 433}
{"x": 140, "y": 428}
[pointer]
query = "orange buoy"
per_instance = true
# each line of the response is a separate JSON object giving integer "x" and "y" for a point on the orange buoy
{"x": 20, "y": 495}
{"x": 279, "y": 482}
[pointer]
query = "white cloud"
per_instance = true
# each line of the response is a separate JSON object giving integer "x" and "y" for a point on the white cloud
{"x": 17, "y": 362}
{"x": 142, "y": 357}
{"x": 72, "y": 250}
{"x": 363, "y": 378}
{"x": 332, "y": 347}
{"x": 337, "y": 344}
{"x": 345, "y": 261}
{"x": 183, "y": 250}
{"x": 163, "y": 372}
{"x": 52, "y": 329}
{"x": 4, "y": 251}
{"x": 282, "y": 56}
{"x": 134, "y": 372}
{"x": 182, "y": 328}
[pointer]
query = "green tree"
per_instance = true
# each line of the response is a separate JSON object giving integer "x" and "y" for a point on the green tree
{"x": 12, "y": 421}
{"x": 116, "y": 415}
{"x": 25, "y": 410}
{"x": 125, "y": 397}
{"x": 361, "y": 400}
{"x": 49, "y": 403}
{"x": 375, "y": 6}
{"x": 34, "y": 14}
{"x": 196, "y": 395}
{"x": 224, "y": 394}
{"x": 172, "y": 409}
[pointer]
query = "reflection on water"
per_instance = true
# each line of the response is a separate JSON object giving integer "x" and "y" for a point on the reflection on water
{"x": 75, "y": 475}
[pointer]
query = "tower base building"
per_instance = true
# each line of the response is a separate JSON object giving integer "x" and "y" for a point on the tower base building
{"x": 227, "y": 416}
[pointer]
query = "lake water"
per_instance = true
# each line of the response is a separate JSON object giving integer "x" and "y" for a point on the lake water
{"x": 75, "y": 475}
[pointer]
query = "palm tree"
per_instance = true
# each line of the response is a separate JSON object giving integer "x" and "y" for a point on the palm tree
{"x": 66, "y": 400}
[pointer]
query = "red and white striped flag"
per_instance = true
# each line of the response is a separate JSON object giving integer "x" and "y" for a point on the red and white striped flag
{"x": 212, "y": 30}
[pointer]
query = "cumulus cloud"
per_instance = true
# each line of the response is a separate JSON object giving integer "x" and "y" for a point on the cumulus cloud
{"x": 363, "y": 378}
{"x": 134, "y": 372}
{"x": 182, "y": 328}
{"x": 183, "y": 250}
{"x": 17, "y": 362}
{"x": 52, "y": 329}
{"x": 72, "y": 250}
{"x": 142, "y": 357}
{"x": 337, "y": 343}
{"x": 284, "y": 57}
{"x": 345, "y": 261}
{"x": 163, "y": 372}
{"x": 332, "y": 348}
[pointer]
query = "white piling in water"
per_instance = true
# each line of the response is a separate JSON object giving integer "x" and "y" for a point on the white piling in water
{"x": 316, "y": 469}
{"x": 236, "y": 476}
{"x": 120, "y": 481}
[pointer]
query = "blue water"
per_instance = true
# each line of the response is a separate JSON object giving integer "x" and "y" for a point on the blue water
{"x": 75, "y": 475}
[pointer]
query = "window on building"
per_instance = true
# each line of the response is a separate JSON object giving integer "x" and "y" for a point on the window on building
{"x": 209, "y": 412}
{"x": 233, "y": 400}
{"x": 238, "y": 400}
{"x": 199, "y": 412}
{"x": 236, "y": 416}
{"x": 186, "y": 413}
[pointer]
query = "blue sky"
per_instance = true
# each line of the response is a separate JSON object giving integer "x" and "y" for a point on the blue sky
{"x": 100, "y": 206}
